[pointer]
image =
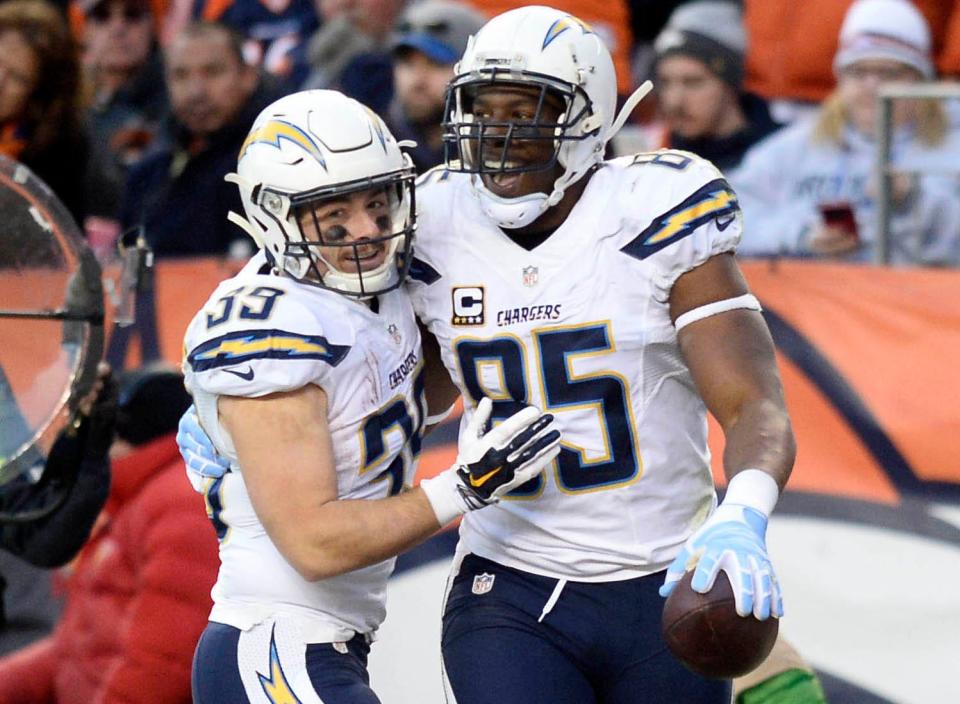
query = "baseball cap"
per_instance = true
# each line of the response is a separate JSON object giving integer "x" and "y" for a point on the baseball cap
{"x": 439, "y": 29}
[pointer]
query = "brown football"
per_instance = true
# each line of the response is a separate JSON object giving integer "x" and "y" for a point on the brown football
{"x": 707, "y": 635}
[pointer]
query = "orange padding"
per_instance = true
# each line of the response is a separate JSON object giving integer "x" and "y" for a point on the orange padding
{"x": 892, "y": 334}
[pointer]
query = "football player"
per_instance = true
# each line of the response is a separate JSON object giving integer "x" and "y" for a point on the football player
{"x": 307, "y": 374}
{"x": 607, "y": 293}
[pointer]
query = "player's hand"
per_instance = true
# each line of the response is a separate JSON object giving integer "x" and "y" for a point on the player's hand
{"x": 733, "y": 539}
{"x": 196, "y": 449}
{"x": 492, "y": 464}
{"x": 514, "y": 452}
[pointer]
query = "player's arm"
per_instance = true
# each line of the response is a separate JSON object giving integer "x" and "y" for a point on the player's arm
{"x": 439, "y": 388}
{"x": 730, "y": 355}
{"x": 284, "y": 447}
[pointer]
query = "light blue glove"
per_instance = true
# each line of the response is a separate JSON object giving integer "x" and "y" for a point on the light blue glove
{"x": 733, "y": 539}
{"x": 196, "y": 449}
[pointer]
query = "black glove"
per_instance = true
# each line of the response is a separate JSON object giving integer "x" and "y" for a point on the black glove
{"x": 88, "y": 438}
{"x": 97, "y": 428}
{"x": 491, "y": 464}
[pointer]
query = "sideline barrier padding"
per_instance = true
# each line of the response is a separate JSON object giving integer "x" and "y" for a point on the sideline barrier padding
{"x": 869, "y": 358}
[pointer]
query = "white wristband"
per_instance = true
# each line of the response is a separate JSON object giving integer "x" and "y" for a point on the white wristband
{"x": 754, "y": 488}
{"x": 444, "y": 497}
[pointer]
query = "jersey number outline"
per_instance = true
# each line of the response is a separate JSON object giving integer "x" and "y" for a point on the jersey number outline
{"x": 604, "y": 392}
{"x": 255, "y": 304}
{"x": 395, "y": 415}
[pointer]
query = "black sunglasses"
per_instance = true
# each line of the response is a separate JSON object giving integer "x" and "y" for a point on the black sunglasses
{"x": 104, "y": 11}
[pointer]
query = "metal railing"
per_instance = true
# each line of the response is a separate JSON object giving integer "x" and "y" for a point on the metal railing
{"x": 884, "y": 170}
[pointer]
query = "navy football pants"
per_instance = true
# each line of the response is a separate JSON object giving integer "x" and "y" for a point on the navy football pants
{"x": 336, "y": 677}
{"x": 599, "y": 644}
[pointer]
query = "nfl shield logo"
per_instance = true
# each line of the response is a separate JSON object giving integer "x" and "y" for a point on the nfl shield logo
{"x": 530, "y": 276}
{"x": 394, "y": 332}
{"x": 483, "y": 583}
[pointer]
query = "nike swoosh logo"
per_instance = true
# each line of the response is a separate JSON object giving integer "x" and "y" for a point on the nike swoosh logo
{"x": 245, "y": 375}
{"x": 480, "y": 481}
{"x": 726, "y": 223}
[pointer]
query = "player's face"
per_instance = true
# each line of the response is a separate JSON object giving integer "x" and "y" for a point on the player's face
{"x": 858, "y": 86}
{"x": 692, "y": 99}
{"x": 518, "y": 105}
{"x": 352, "y": 227}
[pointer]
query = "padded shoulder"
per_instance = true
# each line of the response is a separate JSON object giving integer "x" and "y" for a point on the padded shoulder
{"x": 260, "y": 334}
{"x": 677, "y": 209}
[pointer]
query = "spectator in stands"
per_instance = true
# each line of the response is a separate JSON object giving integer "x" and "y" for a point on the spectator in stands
{"x": 177, "y": 191}
{"x": 275, "y": 34}
{"x": 349, "y": 51}
{"x": 699, "y": 78}
{"x": 647, "y": 20}
{"x": 809, "y": 189}
{"x": 128, "y": 102}
{"x": 138, "y": 594}
{"x": 430, "y": 38}
{"x": 792, "y": 45}
{"x": 40, "y": 99}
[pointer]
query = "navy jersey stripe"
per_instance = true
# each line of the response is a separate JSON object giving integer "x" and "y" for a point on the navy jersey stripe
{"x": 709, "y": 202}
{"x": 423, "y": 272}
{"x": 245, "y": 345}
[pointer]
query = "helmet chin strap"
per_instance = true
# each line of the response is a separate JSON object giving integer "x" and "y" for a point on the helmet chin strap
{"x": 514, "y": 213}
{"x": 378, "y": 279}
{"x": 628, "y": 107}
{"x": 510, "y": 213}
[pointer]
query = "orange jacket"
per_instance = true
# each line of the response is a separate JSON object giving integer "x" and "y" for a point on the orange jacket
{"x": 137, "y": 599}
{"x": 792, "y": 44}
{"x": 610, "y": 19}
{"x": 948, "y": 60}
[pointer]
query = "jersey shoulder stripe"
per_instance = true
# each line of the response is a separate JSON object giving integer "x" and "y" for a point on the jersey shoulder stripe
{"x": 434, "y": 175}
{"x": 712, "y": 200}
{"x": 423, "y": 272}
{"x": 246, "y": 345}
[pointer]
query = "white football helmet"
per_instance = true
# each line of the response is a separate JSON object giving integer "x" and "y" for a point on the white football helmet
{"x": 305, "y": 148}
{"x": 561, "y": 56}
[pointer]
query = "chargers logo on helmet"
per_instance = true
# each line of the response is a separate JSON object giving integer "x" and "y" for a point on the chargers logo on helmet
{"x": 562, "y": 25}
{"x": 273, "y": 131}
{"x": 377, "y": 128}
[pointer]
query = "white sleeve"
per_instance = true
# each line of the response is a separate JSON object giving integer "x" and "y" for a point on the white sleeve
{"x": 283, "y": 351}
{"x": 695, "y": 215}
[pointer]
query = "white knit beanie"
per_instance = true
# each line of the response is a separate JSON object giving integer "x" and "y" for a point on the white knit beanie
{"x": 885, "y": 29}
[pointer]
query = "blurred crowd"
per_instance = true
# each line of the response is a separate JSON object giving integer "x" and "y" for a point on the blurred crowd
{"x": 133, "y": 110}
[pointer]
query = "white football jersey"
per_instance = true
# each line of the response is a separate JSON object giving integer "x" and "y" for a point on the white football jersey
{"x": 580, "y": 327}
{"x": 260, "y": 334}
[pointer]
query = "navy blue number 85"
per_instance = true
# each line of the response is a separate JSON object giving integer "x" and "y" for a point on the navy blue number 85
{"x": 605, "y": 394}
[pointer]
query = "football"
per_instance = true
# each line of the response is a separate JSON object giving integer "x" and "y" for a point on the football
{"x": 707, "y": 635}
